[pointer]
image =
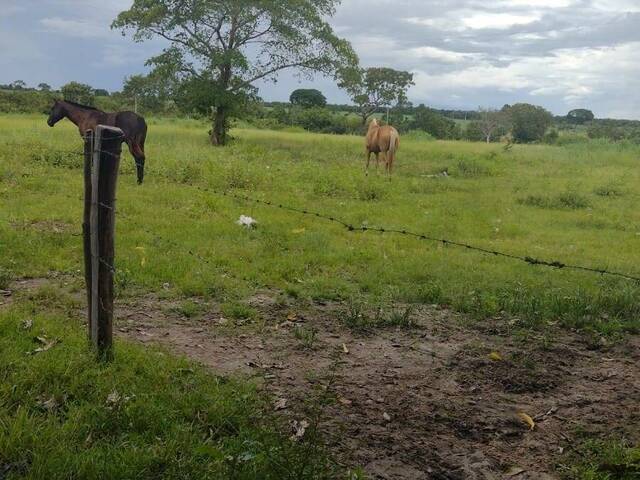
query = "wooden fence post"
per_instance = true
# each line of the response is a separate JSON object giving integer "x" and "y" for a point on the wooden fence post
{"x": 102, "y": 161}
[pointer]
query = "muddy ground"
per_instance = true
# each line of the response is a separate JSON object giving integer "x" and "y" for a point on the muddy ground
{"x": 439, "y": 400}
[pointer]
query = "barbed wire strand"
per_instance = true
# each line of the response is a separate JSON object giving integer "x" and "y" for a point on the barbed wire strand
{"x": 530, "y": 260}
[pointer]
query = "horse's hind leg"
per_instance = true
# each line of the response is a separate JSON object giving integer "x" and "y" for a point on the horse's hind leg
{"x": 137, "y": 152}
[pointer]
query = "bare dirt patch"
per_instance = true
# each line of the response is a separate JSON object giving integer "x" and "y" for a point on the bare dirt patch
{"x": 439, "y": 401}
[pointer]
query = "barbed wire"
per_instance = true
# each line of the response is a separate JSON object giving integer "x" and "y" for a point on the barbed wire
{"x": 421, "y": 236}
{"x": 530, "y": 260}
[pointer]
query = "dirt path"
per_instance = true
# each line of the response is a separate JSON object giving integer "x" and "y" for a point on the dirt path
{"x": 439, "y": 401}
{"x": 426, "y": 403}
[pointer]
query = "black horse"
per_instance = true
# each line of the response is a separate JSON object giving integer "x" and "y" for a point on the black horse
{"x": 87, "y": 118}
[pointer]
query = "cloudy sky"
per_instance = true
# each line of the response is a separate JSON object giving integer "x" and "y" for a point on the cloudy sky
{"x": 561, "y": 54}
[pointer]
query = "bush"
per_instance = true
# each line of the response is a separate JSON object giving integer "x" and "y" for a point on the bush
{"x": 567, "y": 200}
{"x": 430, "y": 121}
{"x": 551, "y": 137}
{"x": 607, "y": 132}
{"x": 418, "y": 135}
{"x": 25, "y": 101}
{"x": 530, "y": 123}
{"x": 321, "y": 120}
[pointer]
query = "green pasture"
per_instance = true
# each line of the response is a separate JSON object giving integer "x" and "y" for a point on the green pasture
{"x": 62, "y": 414}
{"x": 576, "y": 204}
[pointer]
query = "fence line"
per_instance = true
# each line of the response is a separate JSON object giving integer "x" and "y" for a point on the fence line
{"x": 530, "y": 260}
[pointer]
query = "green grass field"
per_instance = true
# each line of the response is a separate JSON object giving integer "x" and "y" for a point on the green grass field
{"x": 576, "y": 204}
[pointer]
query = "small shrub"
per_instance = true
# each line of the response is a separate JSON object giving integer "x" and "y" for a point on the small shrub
{"x": 551, "y": 137}
{"x": 572, "y": 200}
{"x": 471, "y": 168}
{"x": 5, "y": 278}
{"x": 55, "y": 158}
{"x": 361, "y": 316}
{"x": 188, "y": 309}
{"x": 328, "y": 187}
{"x": 567, "y": 200}
{"x": 239, "y": 311}
{"x": 610, "y": 190}
{"x": 306, "y": 336}
{"x": 187, "y": 173}
{"x": 418, "y": 136}
{"x": 400, "y": 317}
{"x": 370, "y": 193}
{"x": 604, "y": 460}
{"x": 238, "y": 177}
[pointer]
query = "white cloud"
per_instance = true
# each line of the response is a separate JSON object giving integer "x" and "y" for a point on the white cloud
{"x": 577, "y": 76}
{"x": 74, "y": 28}
{"x": 498, "y": 20}
{"x": 439, "y": 54}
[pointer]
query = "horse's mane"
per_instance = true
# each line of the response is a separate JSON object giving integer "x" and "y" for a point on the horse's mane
{"x": 86, "y": 107}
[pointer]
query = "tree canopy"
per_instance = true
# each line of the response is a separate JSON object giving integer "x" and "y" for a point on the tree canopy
{"x": 375, "y": 88}
{"x": 220, "y": 48}
{"x": 580, "y": 116}
{"x": 529, "y": 122}
{"x": 78, "y": 92}
{"x": 308, "y": 98}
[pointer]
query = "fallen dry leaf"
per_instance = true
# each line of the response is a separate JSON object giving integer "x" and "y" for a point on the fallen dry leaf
{"x": 50, "y": 404}
{"x": 280, "y": 404}
{"x": 386, "y": 416}
{"x": 27, "y": 324}
{"x": 46, "y": 345}
{"x": 292, "y": 316}
{"x": 495, "y": 356}
{"x": 113, "y": 398}
{"x": 299, "y": 429}
{"x": 344, "y": 401}
{"x": 344, "y": 348}
{"x": 514, "y": 471}
{"x": 527, "y": 419}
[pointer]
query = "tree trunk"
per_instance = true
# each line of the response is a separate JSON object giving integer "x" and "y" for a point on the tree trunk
{"x": 219, "y": 130}
{"x": 489, "y": 138}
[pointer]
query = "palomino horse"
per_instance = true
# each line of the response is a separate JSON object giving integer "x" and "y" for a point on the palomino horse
{"x": 87, "y": 118}
{"x": 384, "y": 140}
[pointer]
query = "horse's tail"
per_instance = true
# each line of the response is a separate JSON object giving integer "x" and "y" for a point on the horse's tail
{"x": 138, "y": 148}
{"x": 394, "y": 143}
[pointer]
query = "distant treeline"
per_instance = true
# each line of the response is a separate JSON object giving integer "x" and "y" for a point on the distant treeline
{"x": 521, "y": 123}
{"x": 35, "y": 101}
{"x": 409, "y": 109}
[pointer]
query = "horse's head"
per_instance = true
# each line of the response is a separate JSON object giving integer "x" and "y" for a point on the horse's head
{"x": 374, "y": 124}
{"x": 57, "y": 113}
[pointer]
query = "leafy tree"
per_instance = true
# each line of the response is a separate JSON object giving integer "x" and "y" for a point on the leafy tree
{"x": 473, "y": 132}
{"x": 18, "y": 85}
{"x": 375, "y": 88}
{"x": 79, "y": 93}
{"x": 149, "y": 92}
{"x": 580, "y": 116}
{"x": 101, "y": 92}
{"x": 432, "y": 122}
{"x": 307, "y": 98}
{"x": 315, "y": 119}
{"x": 44, "y": 87}
{"x": 221, "y": 48}
{"x": 529, "y": 122}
